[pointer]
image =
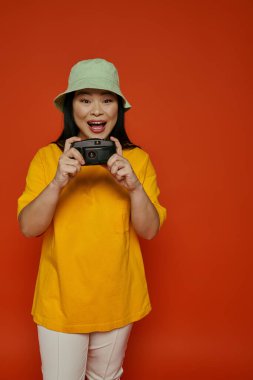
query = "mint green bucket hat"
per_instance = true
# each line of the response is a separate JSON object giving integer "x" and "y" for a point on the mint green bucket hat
{"x": 92, "y": 73}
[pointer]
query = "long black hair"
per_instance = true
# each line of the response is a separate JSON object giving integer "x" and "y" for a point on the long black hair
{"x": 70, "y": 128}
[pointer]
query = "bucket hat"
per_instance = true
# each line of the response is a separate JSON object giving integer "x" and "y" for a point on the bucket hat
{"x": 92, "y": 73}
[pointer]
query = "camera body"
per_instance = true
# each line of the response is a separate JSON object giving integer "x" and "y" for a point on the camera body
{"x": 95, "y": 151}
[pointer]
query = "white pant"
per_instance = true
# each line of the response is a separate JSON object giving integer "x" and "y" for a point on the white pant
{"x": 97, "y": 355}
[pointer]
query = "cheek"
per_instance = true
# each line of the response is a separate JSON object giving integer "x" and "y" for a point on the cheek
{"x": 76, "y": 117}
{"x": 78, "y": 112}
{"x": 114, "y": 113}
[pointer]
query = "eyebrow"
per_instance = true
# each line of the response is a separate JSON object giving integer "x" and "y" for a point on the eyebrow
{"x": 83, "y": 92}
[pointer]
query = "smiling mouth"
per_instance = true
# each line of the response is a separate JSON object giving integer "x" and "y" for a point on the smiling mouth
{"x": 97, "y": 126}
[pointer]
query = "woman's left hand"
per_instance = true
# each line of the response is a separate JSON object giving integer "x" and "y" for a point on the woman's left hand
{"x": 121, "y": 169}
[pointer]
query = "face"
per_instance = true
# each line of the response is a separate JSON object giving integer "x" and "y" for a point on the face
{"x": 95, "y": 113}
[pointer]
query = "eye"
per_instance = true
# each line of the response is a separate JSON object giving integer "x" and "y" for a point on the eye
{"x": 108, "y": 100}
{"x": 83, "y": 100}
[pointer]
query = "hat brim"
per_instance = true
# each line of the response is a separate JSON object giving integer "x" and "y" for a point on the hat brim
{"x": 59, "y": 100}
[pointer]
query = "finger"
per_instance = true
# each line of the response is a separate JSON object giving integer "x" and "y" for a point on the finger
{"x": 69, "y": 161}
{"x": 69, "y": 141}
{"x": 118, "y": 145}
{"x": 112, "y": 162}
{"x": 117, "y": 165}
{"x": 69, "y": 169}
{"x": 74, "y": 153}
{"x": 122, "y": 172}
{"x": 72, "y": 162}
{"x": 114, "y": 158}
{"x": 64, "y": 160}
{"x": 119, "y": 178}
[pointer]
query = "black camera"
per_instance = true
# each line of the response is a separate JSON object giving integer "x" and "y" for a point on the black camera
{"x": 95, "y": 151}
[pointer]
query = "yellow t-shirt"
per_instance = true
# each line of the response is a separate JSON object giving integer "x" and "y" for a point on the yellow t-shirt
{"x": 91, "y": 275}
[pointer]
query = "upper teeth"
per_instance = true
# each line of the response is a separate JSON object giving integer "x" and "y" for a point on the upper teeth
{"x": 96, "y": 122}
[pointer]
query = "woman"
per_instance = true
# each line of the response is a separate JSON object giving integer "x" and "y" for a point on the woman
{"x": 91, "y": 283}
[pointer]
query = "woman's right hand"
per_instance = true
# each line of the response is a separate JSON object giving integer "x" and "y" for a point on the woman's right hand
{"x": 69, "y": 163}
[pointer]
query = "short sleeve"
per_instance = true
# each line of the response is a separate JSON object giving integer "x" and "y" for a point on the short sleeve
{"x": 35, "y": 182}
{"x": 151, "y": 188}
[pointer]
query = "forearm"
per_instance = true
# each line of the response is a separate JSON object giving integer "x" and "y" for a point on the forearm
{"x": 144, "y": 217}
{"x": 35, "y": 218}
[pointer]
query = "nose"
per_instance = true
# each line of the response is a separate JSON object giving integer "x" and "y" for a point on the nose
{"x": 96, "y": 109}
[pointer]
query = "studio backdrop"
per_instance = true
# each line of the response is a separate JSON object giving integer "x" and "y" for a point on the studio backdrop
{"x": 186, "y": 67}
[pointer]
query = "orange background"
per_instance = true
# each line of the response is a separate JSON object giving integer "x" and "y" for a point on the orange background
{"x": 186, "y": 66}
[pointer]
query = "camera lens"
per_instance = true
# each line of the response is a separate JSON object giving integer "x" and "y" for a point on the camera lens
{"x": 91, "y": 154}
